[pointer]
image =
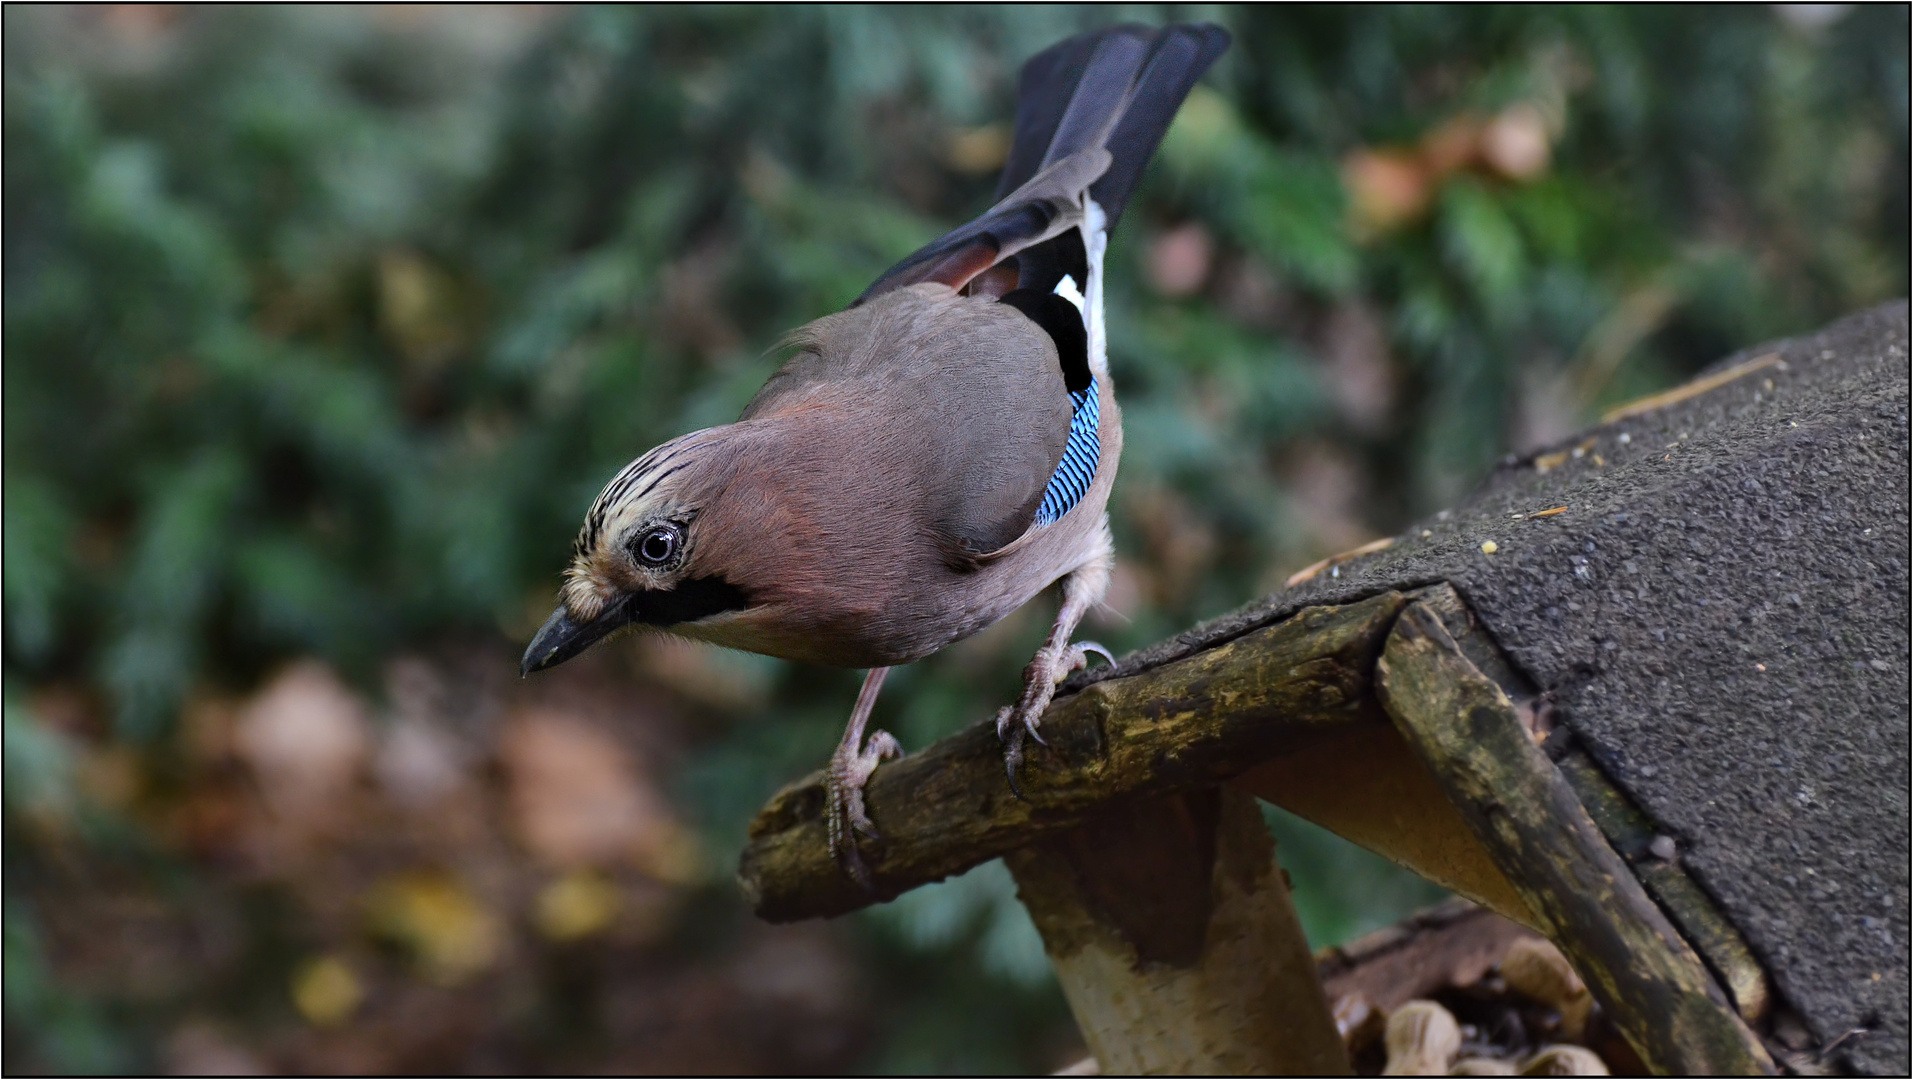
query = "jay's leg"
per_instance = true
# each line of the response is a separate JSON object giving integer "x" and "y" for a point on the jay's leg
{"x": 1083, "y": 588}
{"x": 849, "y": 770}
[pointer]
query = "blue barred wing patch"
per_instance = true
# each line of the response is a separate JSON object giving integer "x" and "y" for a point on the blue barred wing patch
{"x": 1070, "y": 482}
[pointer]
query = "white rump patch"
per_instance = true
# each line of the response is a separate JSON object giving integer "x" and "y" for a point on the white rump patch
{"x": 1095, "y": 240}
{"x": 1067, "y": 289}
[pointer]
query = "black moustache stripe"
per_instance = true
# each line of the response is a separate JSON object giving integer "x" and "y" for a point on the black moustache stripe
{"x": 690, "y": 600}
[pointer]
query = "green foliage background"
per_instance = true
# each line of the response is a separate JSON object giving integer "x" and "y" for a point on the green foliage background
{"x": 321, "y": 331}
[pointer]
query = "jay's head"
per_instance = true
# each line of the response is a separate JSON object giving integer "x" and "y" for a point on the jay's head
{"x": 643, "y": 557}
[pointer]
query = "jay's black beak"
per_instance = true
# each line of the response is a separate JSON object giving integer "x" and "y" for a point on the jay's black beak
{"x": 562, "y": 638}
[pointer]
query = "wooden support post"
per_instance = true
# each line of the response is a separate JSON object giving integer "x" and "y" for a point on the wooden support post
{"x": 1646, "y": 977}
{"x": 1176, "y": 942}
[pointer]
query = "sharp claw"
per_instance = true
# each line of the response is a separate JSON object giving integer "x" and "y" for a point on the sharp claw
{"x": 845, "y": 816}
{"x": 1012, "y": 757}
{"x": 843, "y": 848}
{"x": 1044, "y": 672}
{"x": 852, "y": 862}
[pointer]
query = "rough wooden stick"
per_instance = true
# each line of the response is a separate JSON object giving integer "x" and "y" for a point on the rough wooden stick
{"x": 1176, "y": 943}
{"x": 1644, "y": 974}
{"x": 1184, "y": 724}
{"x": 1701, "y": 922}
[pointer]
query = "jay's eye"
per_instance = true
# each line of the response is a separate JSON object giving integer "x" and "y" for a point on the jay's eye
{"x": 658, "y": 547}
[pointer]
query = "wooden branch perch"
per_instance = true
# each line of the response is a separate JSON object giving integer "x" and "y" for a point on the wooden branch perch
{"x": 1189, "y": 723}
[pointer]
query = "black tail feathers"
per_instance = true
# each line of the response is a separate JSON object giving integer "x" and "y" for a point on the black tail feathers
{"x": 1120, "y": 87}
{"x": 1117, "y": 89}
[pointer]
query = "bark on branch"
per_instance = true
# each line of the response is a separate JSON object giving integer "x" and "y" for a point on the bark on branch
{"x": 1182, "y": 725}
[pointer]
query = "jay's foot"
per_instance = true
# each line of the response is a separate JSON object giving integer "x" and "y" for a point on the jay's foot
{"x": 1047, "y": 669}
{"x": 844, "y": 813}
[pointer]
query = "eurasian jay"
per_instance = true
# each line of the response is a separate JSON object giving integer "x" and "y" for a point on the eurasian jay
{"x": 930, "y": 458}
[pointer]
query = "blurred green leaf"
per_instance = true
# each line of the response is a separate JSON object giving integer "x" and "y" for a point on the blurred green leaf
{"x": 1483, "y": 245}
{"x": 38, "y": 764}
{"x": 38, "y": 538}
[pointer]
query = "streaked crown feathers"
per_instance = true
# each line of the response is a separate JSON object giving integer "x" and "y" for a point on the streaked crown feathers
{"x": 641, "y": 494}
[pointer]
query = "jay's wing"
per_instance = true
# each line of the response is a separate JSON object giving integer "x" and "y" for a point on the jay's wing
{"x": 956, "y": 405}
